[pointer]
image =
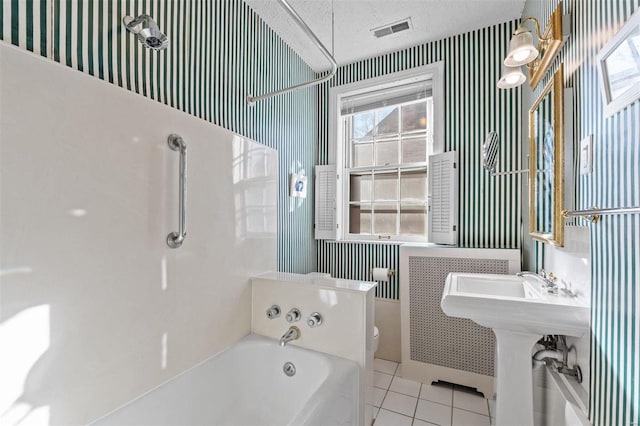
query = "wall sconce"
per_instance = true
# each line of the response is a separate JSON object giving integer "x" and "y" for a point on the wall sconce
{"x": 521, "y": 52}
{"x": 537, "y": 59}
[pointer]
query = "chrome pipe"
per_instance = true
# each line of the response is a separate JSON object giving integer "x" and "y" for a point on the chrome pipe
{"x": 593, "y": 214}
{"x": 305, "y": 28}
{"x": 175, "y": 239}
{"x": 514, "y": 172}
{"x": 594, "y": 211}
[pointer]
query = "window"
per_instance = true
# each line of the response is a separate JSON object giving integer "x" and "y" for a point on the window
{"x": 387, "y": 152}
{"x": 385, "y": 132}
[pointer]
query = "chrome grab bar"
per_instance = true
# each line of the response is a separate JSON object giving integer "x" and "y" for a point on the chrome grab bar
{"x": 175, "y": 239}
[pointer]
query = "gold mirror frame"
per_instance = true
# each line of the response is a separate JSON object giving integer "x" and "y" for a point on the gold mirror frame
{"x": 549, "y": 46}
{"x": 556, "y": 237}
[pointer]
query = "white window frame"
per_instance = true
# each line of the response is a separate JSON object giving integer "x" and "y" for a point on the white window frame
{"x": 337, "y": 148}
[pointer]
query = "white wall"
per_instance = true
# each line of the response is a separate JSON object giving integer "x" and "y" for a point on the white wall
{"x": 95, "y": 308}
{"x": 572, "y": 265}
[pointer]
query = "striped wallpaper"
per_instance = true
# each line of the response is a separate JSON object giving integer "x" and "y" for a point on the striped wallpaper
{"x": 615, "y": 182}
{"x": 490, "y": 208}
{"x": 220, "y": 51}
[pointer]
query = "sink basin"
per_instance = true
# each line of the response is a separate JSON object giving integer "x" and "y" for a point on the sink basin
{"x": 519, "y": 311}
{"x": 514, "y": 303}
{"x": 487, "y": 286}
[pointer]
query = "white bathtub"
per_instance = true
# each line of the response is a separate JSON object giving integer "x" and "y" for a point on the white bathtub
{"x": 246, "y": 385}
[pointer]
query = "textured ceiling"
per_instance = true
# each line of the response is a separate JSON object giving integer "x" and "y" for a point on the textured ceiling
{"x": 353, "y": 20}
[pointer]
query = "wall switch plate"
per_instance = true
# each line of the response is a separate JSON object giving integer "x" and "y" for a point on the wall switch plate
{"x": 297, "y": 185}
{"x": 586, "y": 155}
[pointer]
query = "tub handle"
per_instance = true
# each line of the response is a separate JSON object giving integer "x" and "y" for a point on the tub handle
{"x": 293, "y": 315}
{"x": 314, "y": 320}
{"x": 273, "y": 312}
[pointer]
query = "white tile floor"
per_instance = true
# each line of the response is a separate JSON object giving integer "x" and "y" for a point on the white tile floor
{"x": 402, "y": 402}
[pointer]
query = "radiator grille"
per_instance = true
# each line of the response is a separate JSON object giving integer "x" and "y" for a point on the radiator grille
{"x": 436, "y": 338}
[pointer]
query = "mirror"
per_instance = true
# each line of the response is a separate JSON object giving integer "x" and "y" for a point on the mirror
{"x": 490, "y": 152}
{"x": 549, "y": 47}
{"x": 546, "y": 163}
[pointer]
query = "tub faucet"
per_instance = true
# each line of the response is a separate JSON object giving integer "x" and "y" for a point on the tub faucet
{"x": 292, "y": 334}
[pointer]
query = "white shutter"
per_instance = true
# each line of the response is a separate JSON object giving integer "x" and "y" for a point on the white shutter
{"x": 325, "y": 202}
{"x": 443, "y": 198}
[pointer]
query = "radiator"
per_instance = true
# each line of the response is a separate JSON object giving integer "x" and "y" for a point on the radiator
{"x": 436, "y": 347}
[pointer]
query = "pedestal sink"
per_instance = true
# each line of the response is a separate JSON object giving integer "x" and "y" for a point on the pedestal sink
{"x": 519, "y": 311}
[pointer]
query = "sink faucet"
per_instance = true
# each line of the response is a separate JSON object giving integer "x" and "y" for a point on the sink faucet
{"x": 292, "y": 334}
{"x": 548, "y": 280}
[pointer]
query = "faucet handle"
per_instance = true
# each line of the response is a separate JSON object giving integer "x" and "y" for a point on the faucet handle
{"x": 542, "y": 273}
{"x": 552, "y": 277}
{"x": 566, "y": 289}
{"x": 273, "y": 312}
{"x": 293, "y": 315}
{"x": 314, "y": 320}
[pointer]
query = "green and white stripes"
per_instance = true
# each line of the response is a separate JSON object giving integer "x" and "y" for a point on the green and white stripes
{"x": 356, "y": 260}
{"x": 219, "y": 51}
{"x": 490, "y": 208}
{"x": 615, "y": 182}
{"x": 26, "y": 24}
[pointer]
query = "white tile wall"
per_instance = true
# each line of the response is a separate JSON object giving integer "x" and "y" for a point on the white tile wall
{"x": 571, "y": 263}
{"x": 95, "y": 306}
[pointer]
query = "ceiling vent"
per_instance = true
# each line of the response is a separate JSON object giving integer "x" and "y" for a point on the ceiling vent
{"x": 392, "y": 28}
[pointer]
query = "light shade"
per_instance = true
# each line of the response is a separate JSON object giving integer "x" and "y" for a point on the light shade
{"x": 521, "y": 50}
{"x": 511, "y": 77}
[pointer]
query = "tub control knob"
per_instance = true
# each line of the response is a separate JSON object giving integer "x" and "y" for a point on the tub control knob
{"x": 273, "y": 312}
{"x": 314, "y": 320}
{"x": 293, "y": 315}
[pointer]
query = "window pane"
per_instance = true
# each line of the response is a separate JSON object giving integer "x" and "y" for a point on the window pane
{"x": 413, "y": 220}
{"x": 360, "y": 219}
{"x": 363, "y": 125}
{"x": 387, "y": 121}
{"x": 385, "y": 186}
{"x": 386, "y": 152}
{"x": 361, "y": 187}
{"x": 384, "y": 219}
{"x": 414, "y": 117}
{"x": 362, "y": 154}
{"x": 413, "y": 186}
{"x": 414, "y": 150}
{"x": 385, "y": 199}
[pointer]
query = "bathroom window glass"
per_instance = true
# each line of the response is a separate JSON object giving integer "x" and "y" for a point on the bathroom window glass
{"x": 387, "y": 136}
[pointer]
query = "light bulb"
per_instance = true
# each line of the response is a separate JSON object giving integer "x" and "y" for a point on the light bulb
{"x": 521, "y": 55}
{"x": 512, "y": 78}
